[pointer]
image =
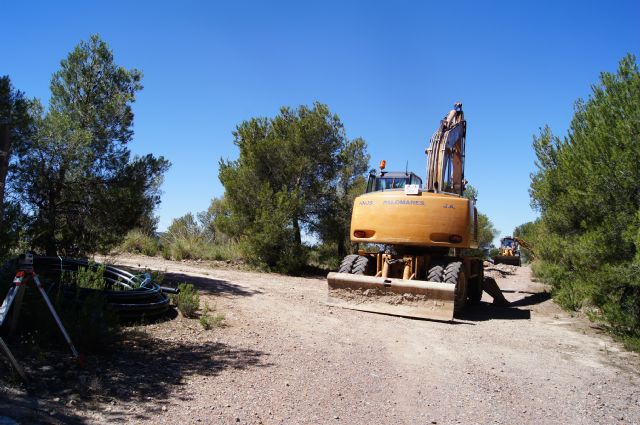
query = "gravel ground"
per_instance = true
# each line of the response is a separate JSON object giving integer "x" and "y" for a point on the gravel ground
{"x": 286, "y": 357}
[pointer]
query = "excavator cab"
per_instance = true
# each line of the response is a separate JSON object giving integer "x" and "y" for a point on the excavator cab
{"x": 387, "y": 180}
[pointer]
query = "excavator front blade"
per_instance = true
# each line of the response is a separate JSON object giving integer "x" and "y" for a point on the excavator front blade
{"x": 398, "y": 297}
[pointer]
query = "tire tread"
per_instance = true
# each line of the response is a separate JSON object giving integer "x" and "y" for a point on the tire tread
{"x": 360, "y": 265}
{"x": 347, "y": 263}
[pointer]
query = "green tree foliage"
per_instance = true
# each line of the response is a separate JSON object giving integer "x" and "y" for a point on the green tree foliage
{"x": 197, "y": 237}
{"x": 486, "y": 230}
{"x": 529, "y": 232}
{"x": 186, "y": 226}
{"x": 184, "y": 239}
{"x": 211, "y": 219}
{"x": 83, "y": 190}
{"x": 471, "y": 193}
{"x": 587, "y": 189}
{"x": 286, "y": 181}
{"x": 17, "y": 126}
{"x": 333, "y": 226}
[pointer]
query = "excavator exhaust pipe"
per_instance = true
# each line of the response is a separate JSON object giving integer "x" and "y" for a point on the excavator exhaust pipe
{"x": 398, "y": 297}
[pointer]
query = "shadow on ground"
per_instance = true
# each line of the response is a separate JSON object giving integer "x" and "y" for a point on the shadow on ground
{"x": 141, "y": 370}
{"x": 487, "y": 311}
{"x": 208, "y": 285}
{"x": 148, "y": 368}
{"x": 28, "y": 410}
{"x": 532, "y": 299}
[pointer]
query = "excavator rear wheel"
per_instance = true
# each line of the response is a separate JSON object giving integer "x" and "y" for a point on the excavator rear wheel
{"x": 347, "y": 263}
{"x": 454, "y": 274}
{"x": 435, "y": 273}
{"x": 360, "y": 265}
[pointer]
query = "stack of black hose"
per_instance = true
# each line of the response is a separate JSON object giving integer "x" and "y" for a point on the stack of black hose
{"x": 132, "y": 297}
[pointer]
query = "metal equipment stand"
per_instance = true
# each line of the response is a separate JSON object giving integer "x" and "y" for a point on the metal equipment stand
{"x": 23, "y": 276}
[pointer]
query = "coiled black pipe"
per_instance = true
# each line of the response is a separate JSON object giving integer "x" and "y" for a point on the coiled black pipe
{"x": 133, "y": 297}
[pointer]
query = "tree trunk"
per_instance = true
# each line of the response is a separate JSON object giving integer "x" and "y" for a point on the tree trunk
{"x": 342, "y": 251}
{"x": 5, "y": 147}
{"x": 296, "y": 227}
{"x": 51, "y": 214}
{"x": 50, "y": 235}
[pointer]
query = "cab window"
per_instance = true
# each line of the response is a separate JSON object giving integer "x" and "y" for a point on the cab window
{"x": 387, "y": 183}
{"x": 416, "y": 180}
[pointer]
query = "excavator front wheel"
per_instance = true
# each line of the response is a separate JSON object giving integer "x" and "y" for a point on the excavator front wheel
{"x": 454, "y": 274}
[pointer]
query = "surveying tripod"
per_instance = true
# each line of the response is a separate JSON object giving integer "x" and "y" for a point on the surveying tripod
{"x": 24, "y": 275}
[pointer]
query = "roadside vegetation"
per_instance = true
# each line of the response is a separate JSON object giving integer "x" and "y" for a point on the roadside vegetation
{"x": 187, "y": 300}
{"x": 210, "y": 319}
{"x": 140, "y": 242}
{"x": 188, "y": 238}
{"x": 587, "y": 190}
{"x": 297, "y": 175}
{"x": 188, "y": 303}
{"x": 486, "y": 230}
{"x": 72, "y": 185}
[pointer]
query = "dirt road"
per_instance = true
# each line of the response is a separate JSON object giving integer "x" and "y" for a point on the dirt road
{"x": 285, "y": 357}
{"x": 309, "y": 363}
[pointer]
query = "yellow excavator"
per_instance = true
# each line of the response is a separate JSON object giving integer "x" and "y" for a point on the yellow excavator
{"x": 411, "y": 237}
{"x": 509, "y": 251}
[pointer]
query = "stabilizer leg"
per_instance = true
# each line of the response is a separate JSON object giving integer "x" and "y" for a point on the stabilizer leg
{"x": 55, "y": 316}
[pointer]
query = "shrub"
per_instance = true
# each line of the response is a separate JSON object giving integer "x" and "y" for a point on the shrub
{"x": 189, "y": 238}
{"x": 139, "y": 242}
{"x": 90, "y": 277}
{"x": 324, "y": 255}
{"x": 188, "y": 248}
{"x": 209, "y": 321}
{"x": 187, "y": 300}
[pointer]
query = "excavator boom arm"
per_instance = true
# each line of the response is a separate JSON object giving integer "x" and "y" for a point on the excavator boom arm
{"x": 445, "y": 164}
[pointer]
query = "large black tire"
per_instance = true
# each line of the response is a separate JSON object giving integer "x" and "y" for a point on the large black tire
{"x": 475, "y": 285}
{"x": 435, "y": 273}
{"x": 360, "y": 265}
{"x": 475, "y": 290}
{"x": 454, "y": 275}
{"x": 347, "y": 263}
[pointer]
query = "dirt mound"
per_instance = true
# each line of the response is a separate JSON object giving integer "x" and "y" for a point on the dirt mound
{"x": 497, "y": 271}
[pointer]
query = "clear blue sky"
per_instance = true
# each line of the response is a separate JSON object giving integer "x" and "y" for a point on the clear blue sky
{"x": 390, "y": 70}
